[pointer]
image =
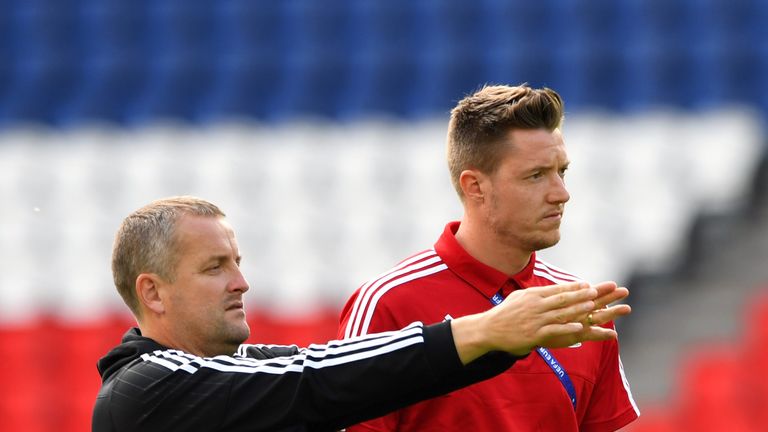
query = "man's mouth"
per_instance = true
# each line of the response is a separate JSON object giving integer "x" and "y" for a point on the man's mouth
{"x": 235, "y": 305}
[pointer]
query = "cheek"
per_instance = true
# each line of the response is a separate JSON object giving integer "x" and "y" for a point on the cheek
{"x": 512, "y": 199}
{"x": 192, "y": 295}
{"x": 180, "y": 303}
{"x": 518, "y": 207}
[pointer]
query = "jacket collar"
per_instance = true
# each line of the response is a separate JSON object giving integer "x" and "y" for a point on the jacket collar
{"x": 132, "y": 347}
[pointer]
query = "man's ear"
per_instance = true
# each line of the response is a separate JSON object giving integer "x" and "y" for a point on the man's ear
{"x": 148, "y": 292}
{"x": 473, "y": 185}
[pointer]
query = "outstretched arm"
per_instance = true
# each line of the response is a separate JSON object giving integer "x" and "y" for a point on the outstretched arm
{"x": 553, "y": 316}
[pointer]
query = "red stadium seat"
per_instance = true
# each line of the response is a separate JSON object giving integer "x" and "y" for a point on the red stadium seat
{"x": 755, "y": 360}
{"x": 49, "y": 372}
{"x": 654, "y": 419}
{"x": 24, "y": 399}
{"x": 318, "y": 327}
{"x": 711, "y": 390}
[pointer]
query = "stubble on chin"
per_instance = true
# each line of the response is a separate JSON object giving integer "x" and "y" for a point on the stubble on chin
{"x": 543, "y": 243}
{"x": 234, "y": 333}
{"x": 531, "y": 241}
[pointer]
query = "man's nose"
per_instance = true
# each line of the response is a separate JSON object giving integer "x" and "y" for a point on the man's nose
{"x": 238, "y": 282}
{"x": 559, "y": 193}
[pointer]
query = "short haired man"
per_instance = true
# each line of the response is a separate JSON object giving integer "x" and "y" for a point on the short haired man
{"x": 507, "y": 161}
{"x": 176, "y": 265}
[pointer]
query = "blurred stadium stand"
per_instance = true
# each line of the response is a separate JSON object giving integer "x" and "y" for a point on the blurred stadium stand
{"x": 319, "y": 127}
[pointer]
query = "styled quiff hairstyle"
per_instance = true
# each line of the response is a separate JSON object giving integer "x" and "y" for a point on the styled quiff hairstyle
{"x": 146, "y": 243}
{"x": 480, "y": 122}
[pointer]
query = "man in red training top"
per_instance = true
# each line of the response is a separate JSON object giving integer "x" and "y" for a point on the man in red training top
{"x": 507, "y": 161}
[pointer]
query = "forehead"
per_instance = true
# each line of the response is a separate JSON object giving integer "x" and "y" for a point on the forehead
{"x": 202, "y": 236}
{"x": 535, "y": 146}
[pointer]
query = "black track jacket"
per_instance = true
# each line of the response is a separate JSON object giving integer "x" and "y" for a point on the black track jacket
{"x": 149, "y": 387}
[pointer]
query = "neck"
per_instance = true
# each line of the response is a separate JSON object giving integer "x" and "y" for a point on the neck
{"x": 480, "y": 242}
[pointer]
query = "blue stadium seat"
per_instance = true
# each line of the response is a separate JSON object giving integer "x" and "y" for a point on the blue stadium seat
{"x": 43, "y": 55}
{"x": 66, "y": 61}
{"x": 382, "y": 61}
{"x": 244, "y": 26}
{"x": 175, "y": 90}
{"x": 760, "y": 90}
{"x": 381, "y": 84}
{"x": 181, "y": 56}
{"x": 590, "y": 76}
{"x": 444, "y": 77}
{"x": 6, "y": 46}
{"x": 314, "y": 59}
{"x": 451, "y": 62}
{"x": 311, "y": 85}
{"x": 521, "y": 62}
{"x": 733, "y": 33}
{"x": 658, "y": 76}
{"x": 247, "y": 63}
{"x": 517, "y": 46}
{"x": 588, "y": 61}
{"x": 114, "y": 69}
{"x": 245, "y": 88}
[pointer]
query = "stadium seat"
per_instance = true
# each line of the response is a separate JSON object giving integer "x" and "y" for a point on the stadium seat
{"x": 179, "y": 61}
{"x": 44, "y": 57}
{"x": 113, "y": 71}
{"x": 450, "y": 65}
{"x": 314, "y": 60}
{"x": 382, "y": 76}
{"x": 654, "y": 419}
{"x": 312, "y": 83}
{"x": 756, "y": 322}
{"x": 317, "y": 328}
{"x": 381, "y": 84}
{"x": 755, "y": 357}
{"x": 7, "y": 59}
{"x": 247, "y": 61}
{"x": 245, "y": 89}
{"x": 26, "y": 370}
{"x": 516, "y": 50}
{"x": 711, "y": 390}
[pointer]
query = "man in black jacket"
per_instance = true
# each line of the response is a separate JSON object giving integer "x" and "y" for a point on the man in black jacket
{"x": 176, "y": 264}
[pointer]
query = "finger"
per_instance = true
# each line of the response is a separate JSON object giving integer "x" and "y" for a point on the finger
{"x": 554, "y": 331}
{"x": 603, "y": 316}
{"x": 595, "y": 333}
{"x": 563, "y": 335}
{"x": 574, "y": 313}
{"x": 550, "y": 290}
{"x": 604, "y": 288}
{"x": 615, "y": 295}
{"x": 566, "y": 299}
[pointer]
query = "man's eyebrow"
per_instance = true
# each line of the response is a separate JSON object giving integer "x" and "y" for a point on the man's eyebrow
{"x": 213, "y": 259}
{"x": 220, "y": 258}
{"x": 547, "y": 167}
{"x": 541, "y": 167}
